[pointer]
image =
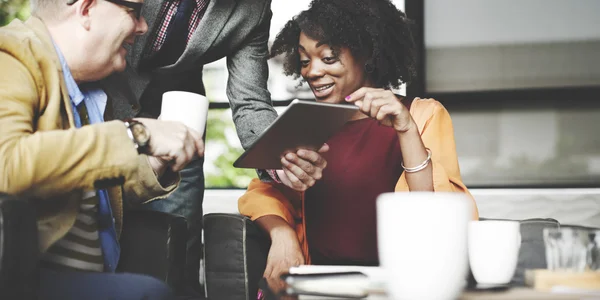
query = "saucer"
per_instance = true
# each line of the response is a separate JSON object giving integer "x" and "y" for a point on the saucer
{"x": 490, "y": 287}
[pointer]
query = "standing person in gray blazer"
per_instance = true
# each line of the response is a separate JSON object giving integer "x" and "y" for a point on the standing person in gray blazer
{"x": 183, "y": 36}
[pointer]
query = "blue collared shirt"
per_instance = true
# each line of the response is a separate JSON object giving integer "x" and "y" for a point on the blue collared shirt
{"x": 95, "y": 103}
{"x": 95, "y": 99}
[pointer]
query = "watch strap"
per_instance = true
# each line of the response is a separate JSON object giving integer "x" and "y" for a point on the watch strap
{"x": 140, "y": 147}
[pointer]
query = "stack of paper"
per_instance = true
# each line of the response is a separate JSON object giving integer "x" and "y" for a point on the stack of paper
{"x": 335, "y": 281}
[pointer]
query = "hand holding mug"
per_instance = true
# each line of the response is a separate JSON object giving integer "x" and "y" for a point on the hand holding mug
{"x": 173, "y": 142}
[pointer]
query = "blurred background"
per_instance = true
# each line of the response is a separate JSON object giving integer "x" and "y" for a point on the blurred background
{"x": 10, "y": 9}
{"x": 520, "y": 79}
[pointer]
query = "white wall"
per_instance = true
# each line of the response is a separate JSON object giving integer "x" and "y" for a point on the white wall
{"x": 475, "y": 45}
{"x": 510, "y": 21}
{"x": 568, "y": 206}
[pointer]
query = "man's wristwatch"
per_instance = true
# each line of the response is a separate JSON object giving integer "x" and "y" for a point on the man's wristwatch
{"x": 139, "y": 135}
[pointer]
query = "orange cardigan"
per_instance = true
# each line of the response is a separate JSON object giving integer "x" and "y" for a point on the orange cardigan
{"x": 435, "y": 126}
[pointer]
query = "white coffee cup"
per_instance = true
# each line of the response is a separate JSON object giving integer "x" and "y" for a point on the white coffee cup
{"x": 422, "y": 243}
{"x": 494, "y": 250}
{"x": 188, "y": 108}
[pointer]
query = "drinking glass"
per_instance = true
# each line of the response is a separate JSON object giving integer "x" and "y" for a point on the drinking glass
{"x": 594, "y": 250}
{"x": 566, "y": 249}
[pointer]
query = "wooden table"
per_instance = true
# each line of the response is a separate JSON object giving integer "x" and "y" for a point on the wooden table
{"x": 512, "y": 294}
{"x": 520, "y": 293}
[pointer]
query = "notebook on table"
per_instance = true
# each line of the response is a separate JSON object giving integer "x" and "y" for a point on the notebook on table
{"x": 334, "y": 281}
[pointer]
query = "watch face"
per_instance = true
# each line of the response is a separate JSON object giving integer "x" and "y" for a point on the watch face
{"x": 140, "y": 134}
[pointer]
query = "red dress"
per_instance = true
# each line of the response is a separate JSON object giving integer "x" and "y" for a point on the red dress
{"x": 363, "y": 162}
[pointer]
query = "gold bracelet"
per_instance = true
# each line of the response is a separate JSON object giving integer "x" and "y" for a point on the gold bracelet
{"x": 420, "y": 167}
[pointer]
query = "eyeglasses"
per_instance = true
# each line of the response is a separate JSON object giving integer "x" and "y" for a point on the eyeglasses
{"x": 135, "y": 7}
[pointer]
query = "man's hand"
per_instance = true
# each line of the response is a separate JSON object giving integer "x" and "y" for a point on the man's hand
{"x": 173, "y": 142}
{"x": 302, "y": 169}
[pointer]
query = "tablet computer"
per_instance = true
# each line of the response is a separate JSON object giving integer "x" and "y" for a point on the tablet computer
{"x": 304, "y": 124}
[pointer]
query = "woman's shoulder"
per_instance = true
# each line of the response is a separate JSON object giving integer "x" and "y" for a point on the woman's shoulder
{"x": 426, "y": 103}
{"x": 422, "y": 109}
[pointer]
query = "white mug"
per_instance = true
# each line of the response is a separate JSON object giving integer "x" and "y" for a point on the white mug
{"x": 494, "y": 250}
{"x": 188, "y": 108}
{"x": 422, "y": 243}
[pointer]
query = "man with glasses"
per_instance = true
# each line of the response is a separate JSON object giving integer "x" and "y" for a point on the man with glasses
{"x": 57, "y": 151}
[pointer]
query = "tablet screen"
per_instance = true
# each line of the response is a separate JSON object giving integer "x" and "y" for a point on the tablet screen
{"x": 304, "y": 124}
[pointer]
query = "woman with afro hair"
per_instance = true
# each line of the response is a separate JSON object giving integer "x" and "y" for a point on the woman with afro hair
{"x": 353, "y": 51}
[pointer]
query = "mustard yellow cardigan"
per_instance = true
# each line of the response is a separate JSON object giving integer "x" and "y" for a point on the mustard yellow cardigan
{"x": 43, "y": 157}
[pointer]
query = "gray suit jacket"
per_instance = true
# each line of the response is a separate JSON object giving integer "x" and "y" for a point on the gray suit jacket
{"x": 236, "y": 29}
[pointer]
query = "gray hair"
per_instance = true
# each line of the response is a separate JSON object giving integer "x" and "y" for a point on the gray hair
{"x": 48, "y": 10}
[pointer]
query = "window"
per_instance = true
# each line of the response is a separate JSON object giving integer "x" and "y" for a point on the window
{"x": 547, "y": 145}
{"x": 520, "y": 79}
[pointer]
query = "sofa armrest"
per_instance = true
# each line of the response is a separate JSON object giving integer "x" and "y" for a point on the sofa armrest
{"x": 154, "y": 243}
{"x": 235, "y": 256}
{"x": 532, "y": 254}
{"x": 19, "y": 250}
